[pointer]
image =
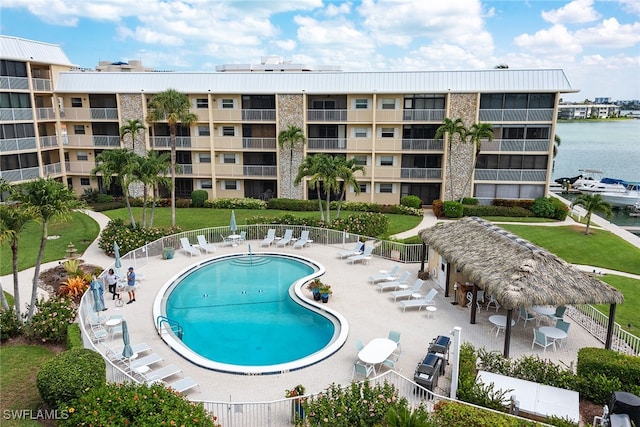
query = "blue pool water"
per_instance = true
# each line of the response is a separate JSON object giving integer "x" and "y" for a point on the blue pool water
{"x": 238, "y": 311}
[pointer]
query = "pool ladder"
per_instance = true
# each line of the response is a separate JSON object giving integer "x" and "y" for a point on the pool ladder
{"x": 171, "y": 325}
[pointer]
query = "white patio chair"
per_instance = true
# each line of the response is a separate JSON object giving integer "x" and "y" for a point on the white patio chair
{"x": 286, "y": 239}
{"x": 363, "y": 257}
{"x": 355, "y": 251}
{"x": 393, "y": 274}
{"x": 395, "y": 284}
{"x": 362, "y": 370}
{"x": 188, "y": 247}
{"x": 271, "y": 236}
{"x": 204, "y": 245}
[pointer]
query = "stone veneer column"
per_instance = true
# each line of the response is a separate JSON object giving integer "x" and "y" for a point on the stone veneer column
{"x": 464, "y": 106}
{"x": 131, "y": 109}
{"x": 290, "y": 112}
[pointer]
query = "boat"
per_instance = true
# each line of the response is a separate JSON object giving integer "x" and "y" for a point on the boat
{"x": 609, "y": 185}
{"x": 587, "y": 176}
{"x": 635, "y": 209}
{"x": 630, "y": 197}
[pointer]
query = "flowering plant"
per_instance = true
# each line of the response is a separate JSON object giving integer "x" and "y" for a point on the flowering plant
{"x": 295, "y": 392}
{"x": 314, "y": 284}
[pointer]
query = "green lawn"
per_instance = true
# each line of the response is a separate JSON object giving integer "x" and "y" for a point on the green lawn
{"x": 627, "y": 313}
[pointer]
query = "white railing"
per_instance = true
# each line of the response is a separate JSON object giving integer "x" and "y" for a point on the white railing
{"x": 596, "y": 323}
{"x": 17, "y": 144}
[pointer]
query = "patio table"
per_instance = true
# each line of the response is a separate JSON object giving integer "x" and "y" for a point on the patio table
{"x": 545, "y": 310}
{"x": 499, "y": 322}
{"x": 377, "y": 351}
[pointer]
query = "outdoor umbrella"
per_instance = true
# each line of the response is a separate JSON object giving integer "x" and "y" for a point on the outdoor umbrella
{"x": 232, "y": 225}
{"x": 96, "y": 292}
{"x": 127, "y": 352}
{"x": 116, "y": 253}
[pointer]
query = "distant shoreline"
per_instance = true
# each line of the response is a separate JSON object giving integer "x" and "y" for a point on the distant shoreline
{"x": 612, "y": 119}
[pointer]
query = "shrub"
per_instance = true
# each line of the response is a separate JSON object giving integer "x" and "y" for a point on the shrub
{"x": 104, "y": 198}
{"x": 244, "y": 203}
{"x": 74, "y": 337}
{"x": 365, "y": 224}
{"x": 454, "y": 414}
{"x": 74, "y": 288}
{"x": 471, "y": 201}
{"x": 560, "y": 209}
{"x": 295, "y": 205}
{"x": 10, "y": 325}
{"x": 198, "y": 197}
{"x": 51, "y": 319}
{"x": 135, "y": 405}
{"x": 543, "y": 208}
{"x": 183, "y": 203}
{"x": 484, "y": 211}
{"x": 129, "y": 239}
{"x": 70, "y": 375}
{"x": 359, "y": 404}
{"x": 411, "y": 201}
{"x": 438, "y": 209}
{"x": 622, "y": 373}
{"x": 453, "y": 209}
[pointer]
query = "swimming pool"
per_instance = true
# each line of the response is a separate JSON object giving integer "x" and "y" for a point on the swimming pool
{"x": 247, "y": 314}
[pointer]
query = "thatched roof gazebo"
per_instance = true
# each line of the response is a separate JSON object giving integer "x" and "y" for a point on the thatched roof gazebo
{"x": 515, "y": 271}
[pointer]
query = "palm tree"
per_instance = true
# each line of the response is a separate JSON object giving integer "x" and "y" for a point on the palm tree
{"x": 451, "y": 128}
{"x": 131, "y": 128}
{"x": 556, "y": 144}
{"x": 346, "y": 170}
{"x": 172, "y": 106}
{"x": 313, "y": 166}
{"x": 291, "y": 137}
{"x": 477, "y": 133}
{"x": 49, "y": 199}
{"x": 592, "y": 203}
{"x": 120, "y": 163}
{"x": 151, "y": 171}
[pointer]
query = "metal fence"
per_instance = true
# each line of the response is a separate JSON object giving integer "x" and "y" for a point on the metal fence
{"x": 596, "y": 323}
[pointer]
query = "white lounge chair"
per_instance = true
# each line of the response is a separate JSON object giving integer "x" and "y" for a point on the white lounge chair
{"x": 420, "y": 302}
{"x": 145, "y": 361}
{"x": 161, "y": 373}
{"x": 403, "y": 293}
{"x": 115, "y": 353}
{"x": 226, "y": 241}
{"x": 303, "y": 240}
{"x": 183, "y": 385}
{"x": 188, "y": 247}
{"x": 204, "y": 245}
{"x": 393, "y": 274}
{"x": 364, "y": 256}
{"x": 394, "y": 284}
{"x": 286, "y": 239}
{"x": 271, "y": 236}
{"x": 355, "y": 251}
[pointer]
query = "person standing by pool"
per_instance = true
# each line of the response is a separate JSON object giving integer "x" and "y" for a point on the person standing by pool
{"x": 112, "y": 280}
{"x": 131, "y": 285}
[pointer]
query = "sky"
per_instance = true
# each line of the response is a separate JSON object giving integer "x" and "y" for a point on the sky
{"x": 596, "y": 43}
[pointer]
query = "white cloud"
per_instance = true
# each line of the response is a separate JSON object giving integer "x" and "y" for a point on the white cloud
{"x": 610, "y": 34}
{"x": 338, "y": 32}
{"x": 631, "y": 6}
{"x": 578, "y": 11}
{"x": 342, "y": 9}
{"x": 556, "y": 40}
{"x": 288, "y": 45}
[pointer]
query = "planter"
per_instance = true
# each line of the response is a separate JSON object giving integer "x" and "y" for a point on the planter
{"x": 168, "y": 253}
{"x": 316, "y": 295}
{"x": 325, "y": 297}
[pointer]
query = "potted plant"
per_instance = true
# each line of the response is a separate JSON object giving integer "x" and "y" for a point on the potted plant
{"x": 297, "y": 410}
{"x": 325, "y": 291}
{"x": 314, "y": 286}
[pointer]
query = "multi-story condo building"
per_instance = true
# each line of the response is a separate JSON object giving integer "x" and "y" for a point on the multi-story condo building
{"x": 56, "y": 120}
{"x": 588, "y": 111}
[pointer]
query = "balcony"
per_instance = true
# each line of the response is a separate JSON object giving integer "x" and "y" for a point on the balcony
{"x": 525, "y": 145}
{"x": 516, "y": 115}
{"x": 327, "y": 115}
{"x": 227, "y": 143}
{"x": 258, "y": 170}
{"x": 45, "y": 113}
{"x": 17, "y": 175}
{"x": 197, "y": 169}
{"x": 362, "y": 116}
{"x": 421, "y": 173}
{"x": 48, "y": 141}
{"x": 165, "y": 141}
{"x": 422, "y": 144}
{"x": 41, "y": 85}
{"x": 79, "y": 168}
{"x": 86, "y": 114}
{"x": 227, "y": 115}
{"x": 423, "y": 115}
{"x": 17, "y": 144}
{"x": 259, "y": 115}
{"x": 259, "y": 143}
{"x": 513, "y": 175}
{"x": 14, "y": 114}
{"x": 327, "y": 143}
{"x": 14, "y": 83}
{"x": 106, "y": 141}
{"x": 52, "y": 169}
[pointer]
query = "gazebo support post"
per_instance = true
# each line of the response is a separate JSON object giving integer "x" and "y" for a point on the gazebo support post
{"x": 423, "y": 257}
{"x": 474, "y": 302}
{"x": 612, "y": 317}
{"x": 448, "y": 280}
{"x": 507, "y": 333}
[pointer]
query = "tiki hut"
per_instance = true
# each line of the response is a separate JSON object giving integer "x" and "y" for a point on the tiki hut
{"x": 515, "y": 271}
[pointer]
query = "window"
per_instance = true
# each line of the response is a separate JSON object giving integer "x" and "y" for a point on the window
{"x": 204, "y": 157}
{"x": 206, "y": 183}
{"x": 84, "y": 181}
{"x": 78, "y": 129}
{"x": 204, "y": 131}
{"x": 386, "y": 160}
{"x": 364, "y": 188}
{"x": 387, "y": 132}
{"x": 386, "y": 188}
{"x": 202, "y": 103}
{"x": 362, "y": 104}
{"x": 360, "y": 132}
{"x": 360, "y": 160}
{"x": 228, "y": 158}
{"x": 76, "y": 102}
{"x": 228, "y": 131}
{"x": 388, "y": 104}
{"x": 82, "y": 155}
{"x": 227, "y": 103}
{"x": 230, "y": 185}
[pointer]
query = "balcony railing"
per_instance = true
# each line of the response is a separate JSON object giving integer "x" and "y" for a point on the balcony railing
{"x": 423, "y": 144}
{"x": 533, "y": 175}
{"x": 423, "y": 115}
{"x": 259, "y": 115}
{"x": 53, "y": 169}
{"x": 46, "y": 113}
{"x": 104, "y": 114}
{"x": 253, "y": 170}
{"x": 106, "y": 141}
{"x": 327, "y": 115}
{"x": 259, "y": 143}
{"x": 16, "y": 175}
{"x": 79, "y": 167}
{"x": 9, "y": 114}
{"x": 421, "y": 173}
{"x": 165, "y": 141}
{"x": 516, "y": 145}
{"x": 48, "y": 141}
{"x": 327, "y": 143}
{"x": 517, "y": 115}
{"x": 17, "y": 144}
{"x": 41, "y": 85}
{"x": 14, "y": 83}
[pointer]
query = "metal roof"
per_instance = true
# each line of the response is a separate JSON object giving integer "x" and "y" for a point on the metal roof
{"x": 17, "y": 49}
{"x": 498, "y": 80}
